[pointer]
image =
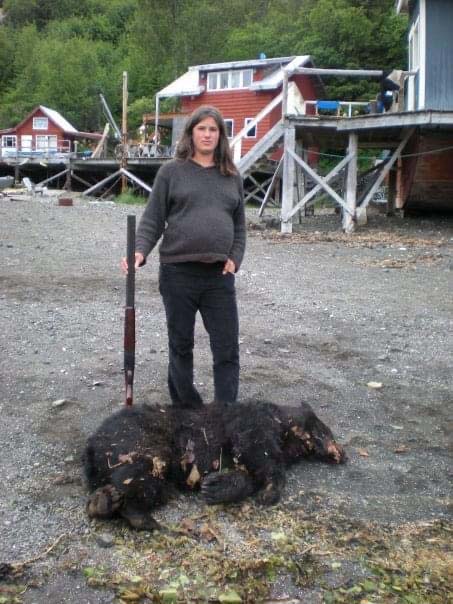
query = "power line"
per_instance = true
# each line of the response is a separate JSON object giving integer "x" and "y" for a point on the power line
{"x": 421, "y": 153}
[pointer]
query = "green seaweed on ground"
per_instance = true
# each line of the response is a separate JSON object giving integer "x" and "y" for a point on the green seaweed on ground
{"x": 242, "y": 552}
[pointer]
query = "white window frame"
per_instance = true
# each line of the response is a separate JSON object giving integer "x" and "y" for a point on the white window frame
{"x": 231, "y": 122}
{"x": 46, "y": 139}
{"x": 414, "y": 46}
{"x": 224, "y": 80}
{"x": 6, "y": 138}
{"x": 216, "y": 79}
{"x": 212, "y": 80}
{"x": 244, "y": 71}
{"x": 247, "y": 121}
{"x": 26, "y": 142}
{"x": 38, "y": 123}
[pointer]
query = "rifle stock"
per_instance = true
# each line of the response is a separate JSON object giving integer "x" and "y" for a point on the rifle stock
{"x": 129, "y": 317}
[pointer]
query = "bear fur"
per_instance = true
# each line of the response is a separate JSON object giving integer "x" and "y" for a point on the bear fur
{"x": 229, "y": 453}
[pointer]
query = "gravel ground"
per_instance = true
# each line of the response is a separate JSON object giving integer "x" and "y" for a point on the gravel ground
{"x": 322, "y": 317}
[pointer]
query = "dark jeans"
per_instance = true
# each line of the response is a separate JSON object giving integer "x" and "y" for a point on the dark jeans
{"x": 187, "y": 288}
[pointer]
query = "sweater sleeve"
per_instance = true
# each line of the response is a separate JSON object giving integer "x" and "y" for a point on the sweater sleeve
{"x": 238, "y": 247}
{"x": 152, "y": 223}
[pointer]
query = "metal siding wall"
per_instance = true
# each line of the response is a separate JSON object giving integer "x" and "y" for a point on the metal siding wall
{"x": 417, "y": 89}
{"x": 439, "y": 55}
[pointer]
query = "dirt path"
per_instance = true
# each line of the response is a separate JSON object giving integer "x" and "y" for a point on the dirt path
{"x": 322, "y": 317}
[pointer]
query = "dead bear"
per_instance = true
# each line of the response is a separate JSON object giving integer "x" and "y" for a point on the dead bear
{"x": 139, "y": 453}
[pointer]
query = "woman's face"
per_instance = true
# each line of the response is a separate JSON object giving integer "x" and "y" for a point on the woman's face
{"x": 205, "y": 137}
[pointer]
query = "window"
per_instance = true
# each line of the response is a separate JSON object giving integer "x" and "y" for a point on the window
{"x": 247, "y": 76}
{"x": 9, "y": 141}
{"x": 414, "y": 47}
{"x": 44, "y": 142}
{"x": 212, "y": 81}
{"x": 26, "y": 142}
{"x": 224, "y": 77}
{"x": 40, "y": 123}
{"x": 237, "y": 78}
{"x": 251, "y": 133}
{"x": 229, "y": 128}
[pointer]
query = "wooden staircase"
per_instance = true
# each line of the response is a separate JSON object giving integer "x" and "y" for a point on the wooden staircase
{"x": 267, "y": 144}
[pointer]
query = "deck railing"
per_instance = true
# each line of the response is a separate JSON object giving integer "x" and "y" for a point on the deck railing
{"x": 63, "y": 148}
{"x": 292, "y": 103}
{"x": 344, "y": 108}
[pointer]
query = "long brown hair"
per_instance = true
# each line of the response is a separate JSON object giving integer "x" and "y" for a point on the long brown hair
{"x": 222, "y": 153}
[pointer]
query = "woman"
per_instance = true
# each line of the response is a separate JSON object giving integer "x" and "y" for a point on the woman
{"x": 197, "y": 205}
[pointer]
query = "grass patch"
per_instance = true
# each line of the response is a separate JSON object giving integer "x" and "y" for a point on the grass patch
{"x": 130, "y": 197}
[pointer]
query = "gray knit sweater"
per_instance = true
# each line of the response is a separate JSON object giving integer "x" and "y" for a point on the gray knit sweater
{"x": 199, "y": 212}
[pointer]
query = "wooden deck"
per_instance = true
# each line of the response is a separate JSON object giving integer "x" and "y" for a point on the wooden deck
{"x": 379, "y": 130}
{"x": 402, "y": 168}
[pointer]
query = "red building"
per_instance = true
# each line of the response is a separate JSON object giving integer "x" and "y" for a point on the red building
{"x": 43, "y": 132}
{"x": 246, "y": 94}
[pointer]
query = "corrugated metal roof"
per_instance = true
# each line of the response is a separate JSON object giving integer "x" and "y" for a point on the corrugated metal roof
{"x": 243, "y": 64}
{"x": 275, "y": 79}
{"x": 185, "y": 85}
{"x": 188, "y": 84}
{"x": 58, "y": 119}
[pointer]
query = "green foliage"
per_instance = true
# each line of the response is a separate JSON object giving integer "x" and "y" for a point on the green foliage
{"x": 64, "y": 53}
{"x": 6, "y": 52}
{"x": 136, "y": 110}
{"x": 129, "y": 197}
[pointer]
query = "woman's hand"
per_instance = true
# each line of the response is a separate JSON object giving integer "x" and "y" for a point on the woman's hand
{"x": 139, "y": 258}
{"x": 229, "y": 267}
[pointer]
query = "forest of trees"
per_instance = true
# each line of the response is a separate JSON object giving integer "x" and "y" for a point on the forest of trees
{"x": 62, "y": 54}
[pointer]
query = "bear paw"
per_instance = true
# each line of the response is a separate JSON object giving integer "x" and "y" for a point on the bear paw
{"x": 104, "y": 502}
{"x": 229, "y": 487}
{"x": 139, "y": 519}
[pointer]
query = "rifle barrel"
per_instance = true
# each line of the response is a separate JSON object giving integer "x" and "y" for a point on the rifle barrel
{"x": 130, "y": 281}
{"x": 129, "y": 316}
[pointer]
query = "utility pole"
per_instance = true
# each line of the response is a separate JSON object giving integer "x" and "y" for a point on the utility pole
{"x": 124, "y": 134}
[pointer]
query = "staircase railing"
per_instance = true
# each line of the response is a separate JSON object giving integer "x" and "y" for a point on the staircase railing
{"x": 236, "y": 143}
{"x": 259, "y": 149}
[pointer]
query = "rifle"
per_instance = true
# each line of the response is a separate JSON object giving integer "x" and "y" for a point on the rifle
{"x": 129, "y": 317}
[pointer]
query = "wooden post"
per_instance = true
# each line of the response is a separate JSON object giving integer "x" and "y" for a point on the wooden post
{"x": 300, "y": 176}
{"x": 124, "y": 134}
{"x": 391, "y": 193}
{"x": 156, "y": 125}
{"x": 309, "y": 210}
{"x": 288, "y": 178}
{"x": 399, "y": 184}
{"x": 16, "y": 174}
{"x": 284, "y": 94}
{"x": 68, "y": 184}
{"x": 351, "y": 185}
